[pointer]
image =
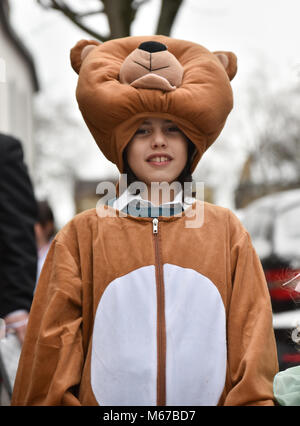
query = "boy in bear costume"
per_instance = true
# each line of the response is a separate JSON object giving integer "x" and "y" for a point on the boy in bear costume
{"x": 142, "y": 310}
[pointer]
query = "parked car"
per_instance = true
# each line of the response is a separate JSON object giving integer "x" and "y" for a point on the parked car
{"x": 273, "y": 223}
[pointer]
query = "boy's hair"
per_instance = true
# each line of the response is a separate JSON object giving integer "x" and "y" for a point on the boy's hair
{"x": 185, "y": 175}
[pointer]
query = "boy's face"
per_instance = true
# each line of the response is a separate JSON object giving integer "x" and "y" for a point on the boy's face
{"x": 157, "y": 151}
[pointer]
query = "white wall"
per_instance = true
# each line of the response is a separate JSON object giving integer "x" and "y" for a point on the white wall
{"x": 16, "y": 92}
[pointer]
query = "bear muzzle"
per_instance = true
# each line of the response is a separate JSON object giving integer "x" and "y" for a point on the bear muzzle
{"x": 151, "y": 66}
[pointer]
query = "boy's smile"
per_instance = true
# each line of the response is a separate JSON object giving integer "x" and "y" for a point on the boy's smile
{"x": 159, "y": 159}
{"x": 158, "y": 151}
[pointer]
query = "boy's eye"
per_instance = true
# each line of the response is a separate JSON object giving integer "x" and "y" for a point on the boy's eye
{"x": 173, "y": 129}
{"x": 141, "y": 131}
{"x": 146, "y": 131}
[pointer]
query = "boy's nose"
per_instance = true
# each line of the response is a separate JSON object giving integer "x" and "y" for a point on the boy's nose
{"x": 159, "y": 139}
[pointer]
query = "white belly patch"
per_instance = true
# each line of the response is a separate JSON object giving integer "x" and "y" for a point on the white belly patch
{"x": 124, "y": 345}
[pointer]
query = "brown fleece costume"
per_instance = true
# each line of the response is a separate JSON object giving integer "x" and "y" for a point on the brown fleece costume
{"x": 129, "y": 314}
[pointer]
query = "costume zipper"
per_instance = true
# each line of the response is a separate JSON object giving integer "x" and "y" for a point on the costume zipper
{"x": 161, "y": 320}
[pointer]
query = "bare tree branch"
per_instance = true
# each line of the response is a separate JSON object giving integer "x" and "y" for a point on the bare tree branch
{"x": 120, "y": 15}
{"x": 90, "y": 13}
{"x": 74, "y": 16}
{"x": 138, "y": 3}
{"x": 168, "y": 12}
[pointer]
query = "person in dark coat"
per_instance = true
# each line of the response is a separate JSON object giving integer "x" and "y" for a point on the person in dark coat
{"x": 18, "y": 252}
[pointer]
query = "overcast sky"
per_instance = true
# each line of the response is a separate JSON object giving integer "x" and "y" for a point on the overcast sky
{"x": 264, "y": 34}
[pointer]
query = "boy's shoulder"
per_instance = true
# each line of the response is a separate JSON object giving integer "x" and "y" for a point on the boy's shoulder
{"x": 224, "y": 217}
{"x": 214, "y": 209}
{"x": 219, "y": 212}
{"x": 79, "y": 224}
{"x": 82, "y": 218}
{"x": 85, "y": 215}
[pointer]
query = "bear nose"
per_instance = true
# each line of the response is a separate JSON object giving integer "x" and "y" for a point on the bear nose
{"x": 152, "y": 46}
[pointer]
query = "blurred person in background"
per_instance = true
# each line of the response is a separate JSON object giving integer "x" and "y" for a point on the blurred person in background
{"x": 44, "y": 232}
{"x": 18, "y": 252}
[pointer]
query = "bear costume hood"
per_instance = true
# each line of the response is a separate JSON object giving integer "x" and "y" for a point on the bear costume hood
{"x": 123, "y": 81}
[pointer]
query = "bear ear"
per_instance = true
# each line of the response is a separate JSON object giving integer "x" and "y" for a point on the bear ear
{"x": 229, "y": 61}
{"x": 80, "y": 51}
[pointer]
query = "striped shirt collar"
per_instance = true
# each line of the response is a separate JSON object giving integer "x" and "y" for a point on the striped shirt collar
{"x": 126, "y": 198}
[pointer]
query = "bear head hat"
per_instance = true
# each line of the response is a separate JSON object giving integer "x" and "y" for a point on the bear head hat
{"x": 123, "y": 81}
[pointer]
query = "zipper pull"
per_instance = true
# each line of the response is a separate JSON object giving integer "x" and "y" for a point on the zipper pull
{"x": 155, "y": 225}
